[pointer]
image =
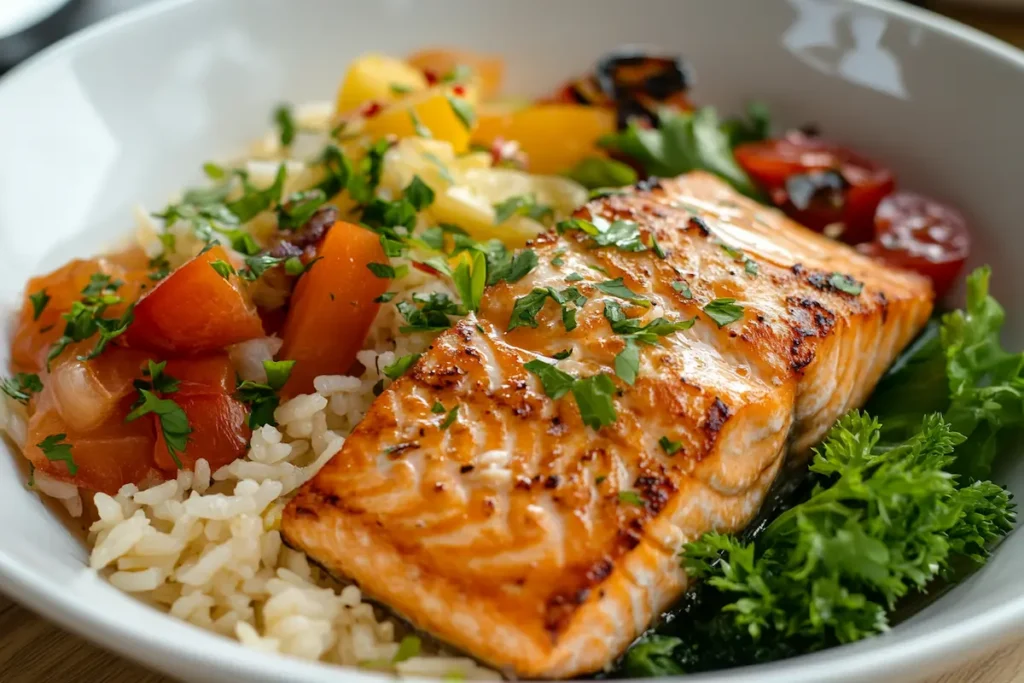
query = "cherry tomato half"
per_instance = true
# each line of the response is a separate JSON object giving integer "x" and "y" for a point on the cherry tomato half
{"x": 819, "y": 184}
{"x": 920, "y": 234}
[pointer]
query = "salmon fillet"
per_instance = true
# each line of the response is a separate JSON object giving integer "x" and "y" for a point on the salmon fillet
{"x": 543, "y": 546}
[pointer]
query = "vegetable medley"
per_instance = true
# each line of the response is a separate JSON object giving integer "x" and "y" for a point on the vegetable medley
{"x": 135, "y": 364}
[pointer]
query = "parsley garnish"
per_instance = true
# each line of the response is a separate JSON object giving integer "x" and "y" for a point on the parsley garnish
{"x": 214, "y": 171}
{"x": 400, "y": 366}
{"x": 254, "y": 200}
{"x": 526, "y": 308}
{"x": 385, "y": 297}
{"x": 627, "y": 361}
{"x": 669, "y": 446}
{"x": 460, "y": 73}
{"x": 724, "y": 311}
{"x": 463, "y": 110}
{"x": 437, "y": 408}
{"x": 417, "y": 125}
{"x": 39, "y": 301}
{"x": 750, "y": 266}
{"x": 470, "y": 278}
{"x": 400, "y": 88}
{"x": 294, "y": 266}
{"x": 407, "y": 649}
{"x": 501, "y": 265}
{"x": 631, "y": 498}
{"x": 21, "y": 386}
{"x": 223, "y": 268}
{"x": 521, "y": 205}
{"x": 85, "y": 319}
{"x": 556, "y": 383}
{"x": 296, "y": 210}
{"x": 285, "y": 124}
{"x": 563, "y": 354}
{"x": 623, "y": 235}
{"x": 419, "y": 194}
{"x": 263, "y": 398}
{"x": 573, "y": 277}
{"x": 449, "y": 419}
{"x": 173, "y": 421}
{"x": 845, "y": 283}
{"x": 427, "y": 313}
{"x": 382, "y": 270}
{"x": 56, "y": 450}
{"x": 683, "y": 288}
{"x": 256, "y": 265}
{"x": 617, "y": 289}
{"x": 656, "y": 248}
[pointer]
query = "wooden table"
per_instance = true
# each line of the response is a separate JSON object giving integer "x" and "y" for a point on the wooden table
{"x": 34, "y": 651}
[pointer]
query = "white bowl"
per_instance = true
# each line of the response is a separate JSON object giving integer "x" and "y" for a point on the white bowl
{"x": 127, "y": 112}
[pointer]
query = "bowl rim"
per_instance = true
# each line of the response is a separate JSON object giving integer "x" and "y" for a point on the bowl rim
{"x": 871, "y": 659}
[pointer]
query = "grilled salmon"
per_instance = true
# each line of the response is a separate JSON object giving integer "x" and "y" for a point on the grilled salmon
{"x": 513, "y": 528}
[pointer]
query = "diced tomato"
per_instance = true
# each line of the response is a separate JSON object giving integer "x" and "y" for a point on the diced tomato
{"x": 33, "y": 337}
{"x": 819, "y": 184}
{"x": 194, "y": 310}
{"x": 220, "y": 432}
{"x": 333, "y": 306}
{"x": 918, "y": 233}
{"x": 106, "y": 457}
{"x": 212, "y": 374}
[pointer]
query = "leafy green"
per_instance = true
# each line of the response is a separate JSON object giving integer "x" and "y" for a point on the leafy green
{"x": 595, "y": 399}
{"x": 86, "y": 318}
{"x": 627, "y": 362}
{"x": 755, "y": 128}
{"x": 296, "y": 210}
{"x": 600, "y": 172}
{"x": 631, "y": 498}
{"x": 723, "y": 311}
{"x": 623, "y": 235}
{"x": 382, "y": 270}
{"x": 521, "y": 205}
{"x": 470, "y": 278}
{"x": 683, "y": 288}
{"x": 845, "y": 283}
{"x": 618, "y": 289}
{"x": 39, "y": 300}
{"x": 669, "y": 446}
{"x": 682, "y": 142}
{"x": 463, "y": 110}
{"x": 652, "y": 656}
{"x": 419, "y": 194}
{"x": 262, "y": 397}
{"x": 400, "y": 366}
{"x": 556, "y": 383}
{"x": 408, "y": 648}
{"x": 449, "y": 419}
{"x": 504, "y": 266}
{"x": 173, "y": 421}
{"x": 223, "y": 268}
{"x": 285, "y": 125}
{"x": 428, "y": 313}
{"x": 959, "y": 368}
{"x": 254, "y": 200}
{"x": 57, "y": 450}
{"x": 21, "y": 386}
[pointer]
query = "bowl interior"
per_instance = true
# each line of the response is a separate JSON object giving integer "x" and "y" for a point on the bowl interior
{"x": 126, "y": 114}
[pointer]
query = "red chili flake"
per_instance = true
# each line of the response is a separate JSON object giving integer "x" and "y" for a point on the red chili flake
{"x": 372, "y": 109}
{"x": 459, "y": 90}
{"x": 430, "y": 270}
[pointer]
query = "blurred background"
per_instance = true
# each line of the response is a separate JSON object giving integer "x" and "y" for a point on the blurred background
{"x": 27, "y": 26}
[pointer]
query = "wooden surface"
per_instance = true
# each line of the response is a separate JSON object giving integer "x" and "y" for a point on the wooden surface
{"x": 34, "y": 651}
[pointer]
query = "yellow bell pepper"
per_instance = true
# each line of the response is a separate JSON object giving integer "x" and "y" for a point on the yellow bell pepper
{"x": 437, "y": 113}
{"x": 378, "y": 78}
{"x": 555, "y": 137}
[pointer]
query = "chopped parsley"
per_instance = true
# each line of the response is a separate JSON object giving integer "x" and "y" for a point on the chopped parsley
{"x": 526, "y": 308}
{"x": 563, "y": 354}
{"x": 724, "y": 311}
{"x": 437, "y": 408}
{"x": 750, "y": 266}
{"x": 294, "y": 266}
{"x": 262, "y": 397}
{"x": 623, "y": 235}
{"x": 85, "y": 319}
{"x": 173, "y": 421}
{"x": 39, "y": 301}
{"x": 254, "y": 200}
{"x": 382, "y": 270}
{"x": 21, "y": 386}
{"x": 385, "y": 297}
{"x": 845, "y": 283}
{"x": 463, "y": 110}
{"x": 427, "y": 313}
{"x": 627, "y": 361}
{"x": 656, "y": 248}
{"x": 593, "y": 395}
{"x": 683, "y": 288}
{"x": 617, "y": 289}
{"x": 669, "y": 446}
{"x": 470, "y": 279}
{"x": 504, "y": 266}
{"x": 460, "y": 73}
{"x": 417, "y": 125}
{"x": 223, "y": 268}
{"x": 214, "y": 171}
{"x": 556, "y": 383}
{"x": 400, "y": 88}
{"x": 573, "y": 277}
{"x": 256, "y": 265}
{"x": 602, "y": 172}
{"x": 631, "y": 498}
{"x": 449, "y": 419}
{"x": 57, "y": 450}
{"x": 408, "y": 648}
{"x": 285, "y": 125}
{"x": 296, "y": 210}
{"x": 521, "y": 205}
{"x": 419, "y": 194}
{"x": 400, "y": 366}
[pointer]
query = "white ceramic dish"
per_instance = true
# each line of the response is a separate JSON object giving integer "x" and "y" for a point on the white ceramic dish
{"x": 128, "y": 111}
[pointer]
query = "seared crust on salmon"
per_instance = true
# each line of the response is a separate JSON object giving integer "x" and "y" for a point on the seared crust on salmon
{"x": 543, "y": 546}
